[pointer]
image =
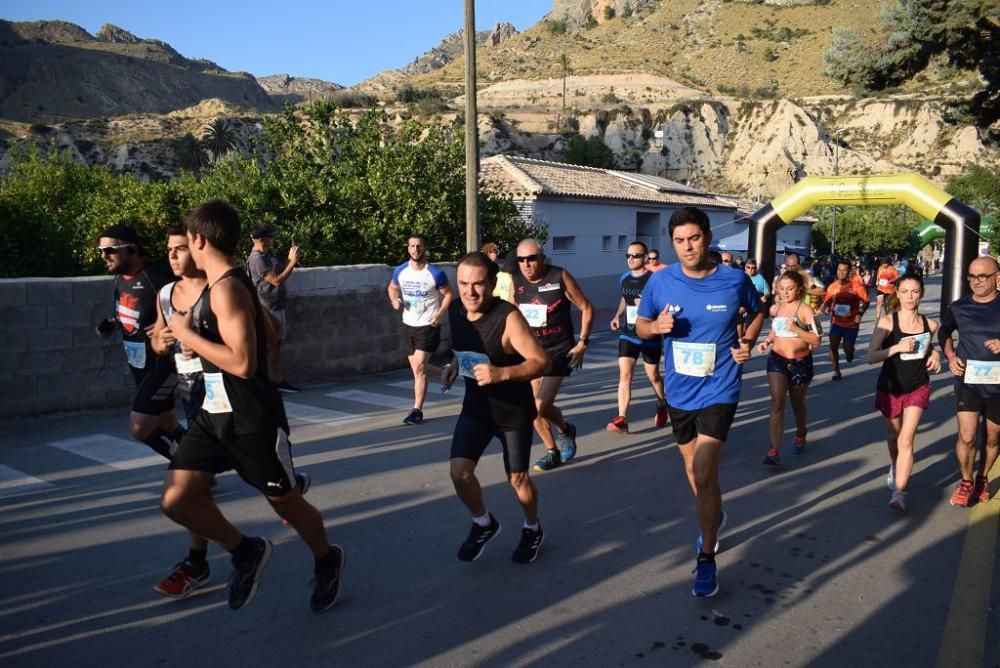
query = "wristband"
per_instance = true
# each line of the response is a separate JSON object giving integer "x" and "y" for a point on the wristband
{"x": 949, "y": 354}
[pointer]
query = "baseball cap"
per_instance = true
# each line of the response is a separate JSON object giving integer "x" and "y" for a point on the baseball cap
{"x": 124, "y": 233}
{"x": 261, "y": 231}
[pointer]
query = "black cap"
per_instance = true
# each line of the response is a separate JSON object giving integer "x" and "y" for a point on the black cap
{"x": 261, "y": 231}
{"x": 123, "y": 233}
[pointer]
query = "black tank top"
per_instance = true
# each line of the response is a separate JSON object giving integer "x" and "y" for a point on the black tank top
{"x": 509, "y": 405}
{"x": 631, "y": 289}
{"x": 256, "y": 403}
{"x": 899, "y": 376}
{"x": 556, "y": 334}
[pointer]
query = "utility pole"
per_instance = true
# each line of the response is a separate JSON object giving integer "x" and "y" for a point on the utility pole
{"x": 471, "y": 133}
{"x": 836, "y": 172}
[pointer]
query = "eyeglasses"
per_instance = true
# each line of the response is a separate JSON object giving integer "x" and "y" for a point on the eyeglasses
{"x": 528, "y": 258}
{"x": 981, "y": 277}
{"x": 112, "y": 250}
{"x": 635, "y": 256}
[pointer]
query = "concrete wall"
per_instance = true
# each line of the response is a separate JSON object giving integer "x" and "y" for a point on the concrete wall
{"x": 340, "y": 323}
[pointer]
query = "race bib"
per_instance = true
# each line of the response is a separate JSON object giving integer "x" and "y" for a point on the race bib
{"x": 631, "y": 313}
{"x": 216, "y": 399}
{"x": 781, "y": 327}
{"x": 694, "y": 359}
{"x": 537, "y": 315}
{"x": 882, "y": 282}
{"x": 919, "y": 349}
{"x": 978, "y": 372}
{"x": 135, "y": 353}
{"x": 187, "y": 366}
{"x": 842, "y": 310}
{"x": 468, "y": 360}
{"x": 415, "y": 306}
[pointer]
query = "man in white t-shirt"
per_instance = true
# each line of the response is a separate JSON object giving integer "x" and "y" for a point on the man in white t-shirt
{"x": 421, "y": 290}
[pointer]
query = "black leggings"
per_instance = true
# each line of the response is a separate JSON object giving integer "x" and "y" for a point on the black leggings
{"x": 473, "y": 434}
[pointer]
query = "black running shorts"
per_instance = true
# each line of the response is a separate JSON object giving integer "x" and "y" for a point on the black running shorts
{"x": 154, "y": 394}
{"x": 426, "y": 338}
{"x": 713, "y": 421}
{"x": 650, "y": 354}
{"x": 263, "y": 459}
{"x": 966, "y": 400}
{"x": 474, "y": 433}
{"x": 560, "y": 363}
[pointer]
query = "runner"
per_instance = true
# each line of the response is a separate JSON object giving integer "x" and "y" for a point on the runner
{"x": 902, "y": 342}
{"x": 844, "y": 303}
{"x": 505, "y": 281}
{"x": 695, "y": 305}
{"x": 421, "y": 290}
{"x": 153, "y": 420}
{"x": 242, "y": 424}
{"x": 758, "y": 282}
{"x": 653, "y": 261}
{"x": 790, "y": 364}
{"x": 631, "y": 346}
{"x": 975, "y": 363}
{"x": 543, "y": 293}
{"x": 498, "y": 356}
{"x": 885, "y": 284}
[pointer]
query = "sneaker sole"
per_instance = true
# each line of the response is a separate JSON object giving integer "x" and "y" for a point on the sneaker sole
{"x": 482, "y": 546}
{"x": 616, "y": 430}
{"x": 340, "y": 580}
{"x": 534, "y": 556}
{"x": 710, "y": 595}
{"x": 895, "y": 506}
{"x": 199, "y": 584}
{"x": 268, "y": 549}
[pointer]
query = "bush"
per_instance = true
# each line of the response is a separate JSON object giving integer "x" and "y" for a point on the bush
{"x": 555, "y": 26}
{"x": 352, "y": 99}
{"x": 609, "y": 12}
{"x": 592, "y": 152}
{"x": 590, "y": 22}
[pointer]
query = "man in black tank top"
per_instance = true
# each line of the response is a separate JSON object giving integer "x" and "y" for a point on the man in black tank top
{"x": 137, "y": 282}
{"x": 499, "y": 357}
{"x": 543, "y": 293}
{"x": 242, "y": 423}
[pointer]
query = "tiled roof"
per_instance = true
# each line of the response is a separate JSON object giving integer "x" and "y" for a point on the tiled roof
{"x": 746, "y": 208}
{"x": 529, "y": 178}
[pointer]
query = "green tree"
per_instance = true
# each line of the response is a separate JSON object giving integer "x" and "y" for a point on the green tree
{"x": 592, "y": 152}
{"x": 564, "y": 63}
{"x": 873, "y": 230}
{"x": 190, "y": 154}
{"x": 979, "y": 187}
{"x": 219, "y": 138}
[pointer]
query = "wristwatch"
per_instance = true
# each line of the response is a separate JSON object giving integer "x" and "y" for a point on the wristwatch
{"x": 585, "y": 340}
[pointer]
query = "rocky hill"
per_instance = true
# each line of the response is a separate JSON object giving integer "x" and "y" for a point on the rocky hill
{"x": 285, "y": 88}
{"x": 53, "y": 70}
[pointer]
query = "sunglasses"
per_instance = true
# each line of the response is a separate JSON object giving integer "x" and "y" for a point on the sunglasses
{"x": 727, "y": 262}
{"x": 981, "y": 277}
{"x": 112, "y": 250}
{"x": 528, "y": 258}
{"x": 653, "y": 258}
{"x": 635, "y": 256}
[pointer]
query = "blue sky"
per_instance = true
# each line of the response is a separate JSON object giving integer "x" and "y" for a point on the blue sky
{"x": 345, "y": 41}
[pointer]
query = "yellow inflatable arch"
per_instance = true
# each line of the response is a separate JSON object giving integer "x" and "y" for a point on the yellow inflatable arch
{"x": 960, "y": 222}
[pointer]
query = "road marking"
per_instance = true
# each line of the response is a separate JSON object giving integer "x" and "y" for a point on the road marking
{"x": 110, "y": 450}
{"x": 434, "y": 392}
{"x": 373, "y": 398}
{"x": 13, "y": 481}
{"x": 963, "y": 642}
{"x": 317, "y": 415}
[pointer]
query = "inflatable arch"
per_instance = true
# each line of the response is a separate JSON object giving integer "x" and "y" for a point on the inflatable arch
{"x": 927, "y": 232}
{"x": 959, "y": 222}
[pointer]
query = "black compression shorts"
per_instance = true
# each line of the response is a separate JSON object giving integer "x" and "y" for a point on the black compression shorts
{"x": 154, "y": 394}
{"x": 473, "y": 434}
{"x": 713, "y": 421}
{"x": 650, "y": 354}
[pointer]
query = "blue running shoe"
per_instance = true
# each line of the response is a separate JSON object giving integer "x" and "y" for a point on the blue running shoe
{"x": 567, "y": 443}
{"x": 550, "y": 461}
{"x": 718, "y": 536}
{"x": 706, "y": 584}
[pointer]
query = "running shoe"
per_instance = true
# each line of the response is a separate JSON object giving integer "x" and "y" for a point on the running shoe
{"x": 718, "y": 534}
{"x": 837, "y": 375}
{"x": 303, "y": 481}
{"x": 963, "y": 494}
{"x": 849, "y": 356}
{"x": 184, "y": 580}
{"x": 551, "y": 460}
{"x": 800, "y": 445}
{"x": 706, "y": 582}
{"x": 527, "y": 550}
{"x": 478, "y": 537}
{"x": 890, "y": 480}
{"x": 772, "y": 458}
{"x": 898, "y": 500}
{"x": 245, "y": 579}
{"x": 662, "y": 416}
{"x": 288, "y": 388}
{"x": 619, "y": 425}
{"x": 326, "y": 584}
{"x": 567, "y": 443}
{"x": 982, "y": 490}
{"x": 416, "y": 416}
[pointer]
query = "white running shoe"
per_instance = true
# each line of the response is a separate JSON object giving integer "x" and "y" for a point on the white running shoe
{"x": 898, "y": 501}
{"x": 890, "y": 480}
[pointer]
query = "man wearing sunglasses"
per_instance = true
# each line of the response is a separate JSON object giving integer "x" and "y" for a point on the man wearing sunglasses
{"x": 630, "y": 346}
{"x": 137, "y": 283}
{"x": 543, "y": 293}
{"x": 975, "y": 363}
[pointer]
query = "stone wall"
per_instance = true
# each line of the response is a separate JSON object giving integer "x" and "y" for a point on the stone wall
{"x": 51, "y": 359}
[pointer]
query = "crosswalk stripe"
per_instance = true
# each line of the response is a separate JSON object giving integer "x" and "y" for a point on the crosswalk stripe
{"x": 434, "y": 392}
{"x": 110, "y": 450}
{"x": 373, "y": 398}
{"x": 317, "y": 415}
{"x": 13, "y": 481}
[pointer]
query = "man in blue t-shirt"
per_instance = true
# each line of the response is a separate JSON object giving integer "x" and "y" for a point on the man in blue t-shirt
{"x": 695, "y": 304}
{"x": 975, "y": 363}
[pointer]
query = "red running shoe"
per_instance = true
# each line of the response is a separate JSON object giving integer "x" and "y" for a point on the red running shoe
{"x": 963, "y": 493}
{"x": 618, "y": 426}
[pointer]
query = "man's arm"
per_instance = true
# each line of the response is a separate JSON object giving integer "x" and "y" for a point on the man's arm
{"x": 616, "y": 321}
{"x": 446, "y": 298}
{"x": 233, "y": 308}
{"x": 535, "y": 365}
{"x": 395, "y": 294}
{"x": 575, "y": 295}
{"x": 278, "y": 279}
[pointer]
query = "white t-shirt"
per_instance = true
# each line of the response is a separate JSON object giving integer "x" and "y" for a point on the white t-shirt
{"x": 421, "y": 292}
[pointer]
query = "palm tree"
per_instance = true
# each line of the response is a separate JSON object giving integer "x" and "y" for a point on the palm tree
{"x": 564, "y": 62}
{"x": 189, "y": 153}
{"x": 219, "y": 138}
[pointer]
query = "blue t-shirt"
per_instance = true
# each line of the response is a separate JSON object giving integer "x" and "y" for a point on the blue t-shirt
{"x": 758, "y": 282}
{"x": 976, "y": 323}
{"x": 704, "y": 325}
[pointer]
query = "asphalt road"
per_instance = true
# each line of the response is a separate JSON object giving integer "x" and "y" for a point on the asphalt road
{"x": 814, "y": 569}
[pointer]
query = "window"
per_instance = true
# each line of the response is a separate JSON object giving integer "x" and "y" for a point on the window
{"x": 606, "y": 243}
{"x": 622, "y": 242}
{"x": 563, "y": 244}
